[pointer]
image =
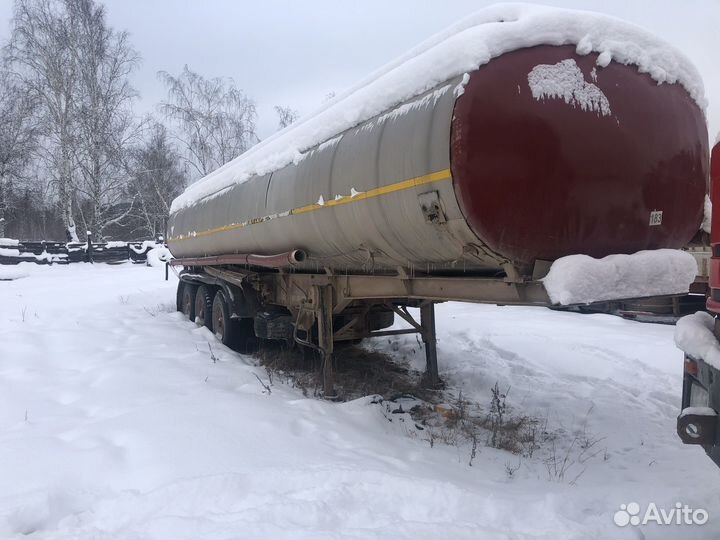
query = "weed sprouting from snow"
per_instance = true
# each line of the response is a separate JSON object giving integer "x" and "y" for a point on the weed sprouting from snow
{"x": 266, "y": 387}
{"x": 473, "y": 449}
{"x": 559, "y": 462}
{"x": 23, "y": 311}
{"x": 461, "y": 407}
{"x": 158, "y": 308}
{"x": 497, "y": 413}
{"x": 569, "y": 463}
{"x": 124, "y": 299}
{"x": 510, "y": 470}
{"x": 213, "y": 357}
{"x": 589, "y": 444}
{"x": 431, "y": 437}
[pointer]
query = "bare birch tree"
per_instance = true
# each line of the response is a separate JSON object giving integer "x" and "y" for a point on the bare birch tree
{"x": 215, "y": 119}
{"x": 18, "y": 134}
{"x": 286, "y": 116}
{"x": 159, "y": 176}
{"x": 76, "y": 68}
{"x": 41, "y": 57}
{"x": 104, "y": 60}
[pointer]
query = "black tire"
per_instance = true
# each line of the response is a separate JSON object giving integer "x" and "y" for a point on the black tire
{"x": 238, "y": 334}
{"x": 179, "y": 296}
{"x": 188, "y": 300}
{"x": 222, "y": 324}
{"x": 204, "y": 306}
{"x": 245, "y": 340}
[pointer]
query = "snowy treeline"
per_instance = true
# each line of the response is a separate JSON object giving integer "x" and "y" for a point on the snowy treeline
{"x": 74, "y": 154}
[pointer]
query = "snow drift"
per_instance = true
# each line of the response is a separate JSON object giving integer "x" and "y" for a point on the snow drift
{"x": 9, "y": 273}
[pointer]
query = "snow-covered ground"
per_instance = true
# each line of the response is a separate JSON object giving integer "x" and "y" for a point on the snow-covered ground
{"x": 115, "y": 422}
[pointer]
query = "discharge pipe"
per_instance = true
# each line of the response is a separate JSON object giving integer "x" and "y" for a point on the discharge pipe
{"x": 281, "y": 260}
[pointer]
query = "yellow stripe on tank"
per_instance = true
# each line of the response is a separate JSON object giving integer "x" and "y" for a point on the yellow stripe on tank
{"x": 347, "y": 199}
{"x": 383, "y": 190}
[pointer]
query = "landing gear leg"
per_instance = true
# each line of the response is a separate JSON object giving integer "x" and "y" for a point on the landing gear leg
{"x": 427, "y": 322}
{"x": 325, "y": 339}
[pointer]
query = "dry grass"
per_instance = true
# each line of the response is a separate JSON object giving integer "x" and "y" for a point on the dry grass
{"x": 358, "y": 372}
{"x": 439, "y": 415}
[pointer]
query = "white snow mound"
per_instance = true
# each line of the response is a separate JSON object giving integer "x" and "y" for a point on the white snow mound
{"x": 9, "y": 273}
{"x": 580, "y": 279}
{"x": 694, "y": 336}
{"x": 115, "y": 244}
{"x": 461, "y": 48}
{"x": 698, "y": 411}
{"x": 158, "y": 256}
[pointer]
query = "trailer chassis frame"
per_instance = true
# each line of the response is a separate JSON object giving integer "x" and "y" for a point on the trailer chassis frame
{"x": 315, "y": 298}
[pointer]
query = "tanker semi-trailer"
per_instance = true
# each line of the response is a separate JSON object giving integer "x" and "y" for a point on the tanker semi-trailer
{"x": 518, "y": 137}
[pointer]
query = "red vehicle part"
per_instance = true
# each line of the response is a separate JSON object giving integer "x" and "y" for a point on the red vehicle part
{"x": 538, "y": 179}
{"x": 713, "y": 302}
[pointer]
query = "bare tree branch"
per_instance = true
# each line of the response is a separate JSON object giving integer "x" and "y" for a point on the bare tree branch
{"x": 214, "y": 118}
{"x": 286, "y": 116}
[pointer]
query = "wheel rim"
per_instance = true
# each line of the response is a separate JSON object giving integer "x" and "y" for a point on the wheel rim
{"x": 187, "y": 303}
{"x": 218, "y": 321}
{"x": 200, "y": 308}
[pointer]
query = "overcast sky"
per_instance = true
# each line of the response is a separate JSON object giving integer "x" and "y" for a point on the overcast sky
{"x": 296, "y": 52}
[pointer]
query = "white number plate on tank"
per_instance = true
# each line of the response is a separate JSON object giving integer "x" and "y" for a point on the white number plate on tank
{"x": 656, "y": 217}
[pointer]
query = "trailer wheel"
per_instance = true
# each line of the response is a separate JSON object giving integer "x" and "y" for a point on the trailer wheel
{"x": 204, "y": 306}
{"x": 188, "y": 300}
{"x": 238, "y": 334}
{"x": 179, "y": 296}
{"x": 222, "y": 324}
{"x": 245, "y": 340}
